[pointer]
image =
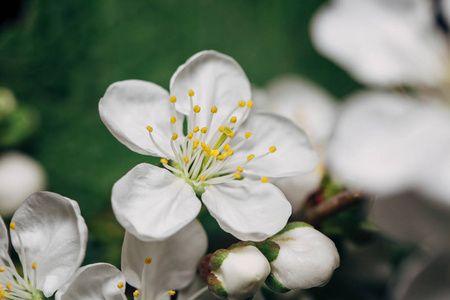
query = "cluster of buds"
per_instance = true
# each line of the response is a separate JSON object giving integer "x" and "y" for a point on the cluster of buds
{"x": 298, "y": 257}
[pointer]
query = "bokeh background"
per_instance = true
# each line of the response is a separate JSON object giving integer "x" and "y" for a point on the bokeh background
{"x": 58, "y": 57}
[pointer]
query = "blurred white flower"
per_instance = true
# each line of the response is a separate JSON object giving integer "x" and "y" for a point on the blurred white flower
{"x": 300, "y": 258}
{"x": 156, "y": 268}
{"x": 223, "y": 144}
{"x": 384, "y": 42}
{"x": 20, "y": 176}
{"x": 388, "y": 143}
{"x": 50, "y": 236}
{"x": 313, "y": 110}
{"x": 238, "y": 272}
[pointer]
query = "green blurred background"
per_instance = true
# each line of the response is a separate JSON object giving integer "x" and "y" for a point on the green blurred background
{"x": 60, "y": 56}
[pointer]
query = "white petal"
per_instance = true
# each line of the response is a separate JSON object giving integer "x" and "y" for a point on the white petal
{"x": 4, "y": 245}
{"x": 173, "y": 263}
{"x": 20, "y": 176}
{"x": 152, "y": 203}
{"x": 307, "y": 258}
{"x": 217, "y": 80}
{"x": 382, "y": 42}
{"x": 294, "y": 154}
{"x": 128, "y": 107}
{"x": 249, "y": 210}
{"x": 93, "y": 282}
{"x": 54, "y": 236}
{"x": 380, "y": 143}
{"x": 301, "y": 101}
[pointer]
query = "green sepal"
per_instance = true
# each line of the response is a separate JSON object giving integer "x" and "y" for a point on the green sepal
{"x": 270, "y": 249}
{"x": 290, "y": 226}
{"x": 217, "y": 259}
{"x": 275, "y": 285}
{"x": 216, "y": 287}
{"x": 241, "y": 244}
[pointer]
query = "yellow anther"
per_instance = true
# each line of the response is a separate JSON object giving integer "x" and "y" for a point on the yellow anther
{"x": 231, "y": 152}
{"x": 191, "y": 93}
{"x": 196, "y": 109}
{"x": 164, "y": 161}
{"x": 233, "y": 119}
{"x": 204, "y": 130}
{"x": 250, "y": 157}
{"x": 2, "y": 269}
{"x": 190, "y": 135}
{"x": 136, "y": 293}
{"x": 237, "y": 175}
{"x": 171, "y": 293}
{"x": 240, "y": 169}
{"x": 207, "y": 148}
{"x": 9, "y": 285}
{"x": 226, "y": 147}
{"x": 148, "y": 260}
{"x": 241, "y": 103}
{"x": 264, "y": 179}
{"x": 250, "y": 104}
{"x": 12, "y": 225}
{"x": 221, "y": 129}
{"x": 150, "y": 129}
{"x": 201, "y": 177}
{"x": 173, "y": 99}
{"x": 186, "y": 159}
{"x": 248, "y": 134}
{"x": 34, "y": 265}
{"x": 214, "y": 109}
{"x": 215, "y": 152}
{"x": 196, "y": 129}
{"x": 174, "y": 136}
{"x": 231, "y": 135}
{"x": 221, "y": 156}
{"x": 195, "y": 145}
{"x": 120, "y": 285}
{"x": 203, "y": 145}
{"x": 173, "y": 119}
{"x": 273, "y": 149}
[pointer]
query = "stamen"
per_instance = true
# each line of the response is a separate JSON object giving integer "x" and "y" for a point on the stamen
{"x": 221, "y": 129}
{"x": 237, "y": 175}
{"x": 174, "y": 137}
{"x": 148, "y": 260}
{"x": 214, "y": 109}
{"x": 195, "y": 145}
{"x": 120, "y": 284}
{"x": 191, "y": 93}
{"x": 164, "y": 161}
{"x": 2, "y": 269}
{"x": 272, "y": 149}
{"x": 226, "y": 147}
{"x": 233, "y": 120}
{"x": 173, "y": 119}
{"x": 240, "y": 169}
{"x": 12, "y": 225}
{"x": 150, "y": 129}
{"x": 171, "y": 293}
{"x": 136, "y": 293}
{"x": 230, "y": 153}
{"x": 173, "y": 99}
{"x": 34, "y": 265}
{"x": 215, "y": 152}
{"x": 190, "y": 135}
{"x": 241, "y": 103}
{"x": 204, "y": 130}
{"x": 196, "y": 109}
{"x": 248, "y": 134}
{"x": 250, "y": 104}
{"x": 250, "y": 157}
{"x": 201, "y": 177}
{"x": 9, "y": 286}
{"x": 186, "y": 159}
{"x": 264, "y": 179}
{"x": 196, "y": 129}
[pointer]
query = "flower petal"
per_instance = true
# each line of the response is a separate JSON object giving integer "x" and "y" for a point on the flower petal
{"x": 152, "y": 203}
{"x": 249, "y": 210}
{"x": 217, "y": 80}
{"x": 382, "y": 42}
{"x": 173, "y": 260}
{"x": 93, "y": 282}
{"x": 54, "y": 235}
{"x": 4, "y": 245}
{"x": 129, "y": 106}
{"x": 294, "y": 154}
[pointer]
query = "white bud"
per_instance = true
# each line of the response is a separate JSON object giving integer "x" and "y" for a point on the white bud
{"x": 238, "y": 272}
{"x": 300, "y": 257}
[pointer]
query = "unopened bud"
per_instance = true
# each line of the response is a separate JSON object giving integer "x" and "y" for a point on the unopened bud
{"x": 300, "y": 258}
{"x": 237, "y": 272}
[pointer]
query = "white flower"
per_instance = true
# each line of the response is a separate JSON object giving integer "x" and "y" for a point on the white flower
{"x": 300, "y": 258}
{"x": 387, "y": 144}
{"x": 20, "y": 176}
{"x": 237, "y": 272}
{"x": 219, "y": 156}
{"x": 384, "y": 42}
{"x": 313, "y": 110}
{"x": 156, "y": 268}
{"x": 50, "y": 236}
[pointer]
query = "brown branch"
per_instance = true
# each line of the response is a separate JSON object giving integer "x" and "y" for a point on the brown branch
{"x": 332, "y": 206}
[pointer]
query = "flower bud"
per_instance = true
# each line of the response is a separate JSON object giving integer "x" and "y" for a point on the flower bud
{"x": 300, "y": 257}
{"x": 237, "y": 272}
